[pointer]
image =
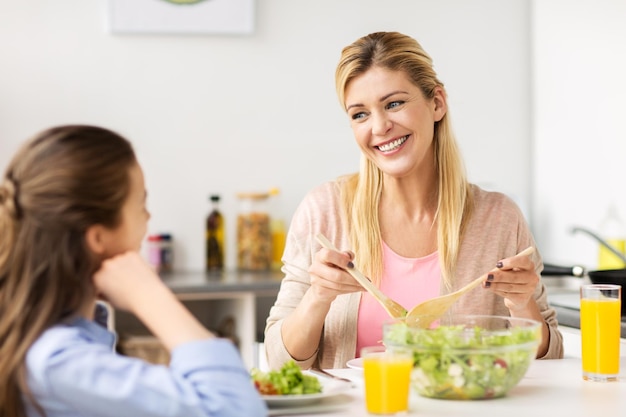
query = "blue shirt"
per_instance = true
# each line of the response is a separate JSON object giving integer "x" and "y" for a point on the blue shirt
{"x": 73, "y": 371}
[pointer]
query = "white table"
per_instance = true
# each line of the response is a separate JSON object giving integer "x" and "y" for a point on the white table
{"x": 549, "y": 388}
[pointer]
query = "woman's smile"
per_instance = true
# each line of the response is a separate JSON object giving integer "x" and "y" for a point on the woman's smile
{"x": 392, "y": 145}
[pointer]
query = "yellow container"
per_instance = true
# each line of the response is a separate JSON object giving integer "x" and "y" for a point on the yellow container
{"x": 278, "y": 229}
{"x": 613, "y": 230}
{"x": 607, "y": 259}
{"x": 279, "y": 235}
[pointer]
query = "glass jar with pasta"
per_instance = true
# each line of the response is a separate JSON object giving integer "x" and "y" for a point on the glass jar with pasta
{"x": 254, "y": 239}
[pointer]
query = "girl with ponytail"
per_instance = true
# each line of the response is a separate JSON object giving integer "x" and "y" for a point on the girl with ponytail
{"x": 72, "y": 219}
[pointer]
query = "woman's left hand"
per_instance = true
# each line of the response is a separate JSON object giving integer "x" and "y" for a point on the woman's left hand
{"x": 515, "y": 280}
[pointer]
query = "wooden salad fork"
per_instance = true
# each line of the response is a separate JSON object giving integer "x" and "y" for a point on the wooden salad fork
{"x": 423, "y": 314}
{"x": 394, "y": 309}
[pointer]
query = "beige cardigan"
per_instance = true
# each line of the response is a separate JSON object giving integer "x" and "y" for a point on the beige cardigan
{"x": 496, "y": 230}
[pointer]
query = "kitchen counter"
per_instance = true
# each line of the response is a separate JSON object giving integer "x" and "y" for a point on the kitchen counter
{"x": 567, "y": 307}
{"x": 189, "y": 282}
{"x": 234, "y": 304}
{"x": 564, "y": 297}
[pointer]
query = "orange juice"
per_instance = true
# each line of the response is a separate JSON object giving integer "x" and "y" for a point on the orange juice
{"x": 387, "y": 380}
{"x": 600, "y": 332}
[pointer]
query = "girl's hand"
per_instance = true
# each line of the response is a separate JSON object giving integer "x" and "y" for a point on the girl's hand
{"x": 124, "y": 279}
{"x": 129, "y": 283}
{"x": 329, "y": 277}
{"x": 515, "y": 281}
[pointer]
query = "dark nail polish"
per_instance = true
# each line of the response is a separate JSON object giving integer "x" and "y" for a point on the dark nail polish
{"x": 487, "y": 284}
{"x": 499, "y": 264}
{"x": 350, "y": 265}
{"x": 490, "y": 277}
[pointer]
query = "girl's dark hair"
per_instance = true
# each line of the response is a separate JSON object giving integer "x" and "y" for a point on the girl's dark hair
{"x": 59, "y": 183}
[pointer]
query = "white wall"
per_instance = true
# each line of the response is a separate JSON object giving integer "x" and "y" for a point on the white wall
{"x": 580, "y": 151}
{"x": 224, "y": 114}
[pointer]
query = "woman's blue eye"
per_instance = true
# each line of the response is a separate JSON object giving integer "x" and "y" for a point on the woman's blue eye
{"x": 394, "y": 104}
{"x": 357, "y": 116}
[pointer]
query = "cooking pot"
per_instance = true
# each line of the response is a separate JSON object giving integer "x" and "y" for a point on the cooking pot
{"x": 606, "y": 276}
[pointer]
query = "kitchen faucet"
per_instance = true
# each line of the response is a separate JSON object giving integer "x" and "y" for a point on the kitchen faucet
{"x": 601, "y": 241}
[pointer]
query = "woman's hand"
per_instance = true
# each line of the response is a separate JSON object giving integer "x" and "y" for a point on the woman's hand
{"x": 121, "y": 280}
{"x": 329, "y": 277}
{"x": 301, "y": 331}
{"x": 515, "y": 281}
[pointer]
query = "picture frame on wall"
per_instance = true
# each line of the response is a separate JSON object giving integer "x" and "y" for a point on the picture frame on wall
{"x": 229, "y": 17}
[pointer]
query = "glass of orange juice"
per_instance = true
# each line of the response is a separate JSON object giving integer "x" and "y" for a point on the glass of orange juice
{"x": 387, "y": 375}
{"x": 600, "y": 323}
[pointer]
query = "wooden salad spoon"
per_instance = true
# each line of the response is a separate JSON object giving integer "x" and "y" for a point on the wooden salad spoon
{"x": 423, "y": 314}
{"x": 394, "y": 309}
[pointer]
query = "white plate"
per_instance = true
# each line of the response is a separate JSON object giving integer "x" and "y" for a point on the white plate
{"x": 330, "y": 388}
{"x": 356, "y": 363}
{"x": 333, "y": 403}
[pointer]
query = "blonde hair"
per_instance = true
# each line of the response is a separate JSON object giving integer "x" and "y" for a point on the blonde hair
{"x": 361, "y": 192}
{"x": 58, "y": 184}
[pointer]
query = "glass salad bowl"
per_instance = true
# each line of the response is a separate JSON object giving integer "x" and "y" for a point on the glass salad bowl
{"x": 467, "y": 357}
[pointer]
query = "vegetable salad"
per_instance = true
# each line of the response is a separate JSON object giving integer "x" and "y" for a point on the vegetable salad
{"x": 455, "y": 362}
{"x": 289, "y": 380}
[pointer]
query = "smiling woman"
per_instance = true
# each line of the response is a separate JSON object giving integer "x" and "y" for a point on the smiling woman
{"x": 389, "y": 113}
{"x": 409, "y": 219}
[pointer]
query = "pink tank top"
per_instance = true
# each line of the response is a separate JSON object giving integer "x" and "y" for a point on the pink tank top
{"x": 409, "y": 281}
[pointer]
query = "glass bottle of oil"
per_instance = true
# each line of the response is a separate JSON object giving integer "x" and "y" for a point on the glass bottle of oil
{"x": 215, "y": 236}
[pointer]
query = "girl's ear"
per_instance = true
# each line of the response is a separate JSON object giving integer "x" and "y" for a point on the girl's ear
{"x": 95, "y": 237}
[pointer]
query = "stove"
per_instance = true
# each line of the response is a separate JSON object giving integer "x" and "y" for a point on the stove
{"x": 567, "y": 307}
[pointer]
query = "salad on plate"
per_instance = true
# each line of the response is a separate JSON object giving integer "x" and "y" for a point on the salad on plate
{"x": 289, "y": 380}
